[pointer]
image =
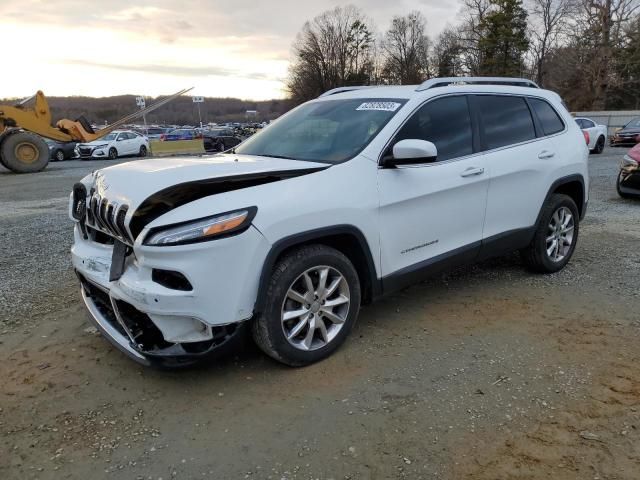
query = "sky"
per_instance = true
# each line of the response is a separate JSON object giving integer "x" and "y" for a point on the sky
{"x": 222, "y": 48}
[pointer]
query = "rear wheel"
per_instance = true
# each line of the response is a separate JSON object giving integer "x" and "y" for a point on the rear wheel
{"x": 313, "y": 299}
{"x": 556, "y": 236}
{"x": 24, "y": 152}
{"x": 599, "y": 148}
{"x": 59, "y": 155}
{"x": 143, "y": 151}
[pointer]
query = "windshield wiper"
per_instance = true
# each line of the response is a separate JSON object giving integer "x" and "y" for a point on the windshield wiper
{"x": 277, "y": 156}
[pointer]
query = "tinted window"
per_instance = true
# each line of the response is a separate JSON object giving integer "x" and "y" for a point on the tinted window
{"x": 588, "y": 124}
{"x": 548, "y": 117}
{"x": 446, "y": 122}
{"x": 506, "y": 120}
{"x": 580, "y": 123}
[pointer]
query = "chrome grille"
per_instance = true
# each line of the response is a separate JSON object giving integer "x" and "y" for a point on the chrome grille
{"x": 108, "y": 217}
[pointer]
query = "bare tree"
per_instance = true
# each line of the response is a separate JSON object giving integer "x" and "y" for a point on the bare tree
{"x": 605, "y": 21}
{"x": 406, "y": 50}
{"x": 446, "y": 54}
{"x": 549, "y": 22}
{"x": 332, "y": 50}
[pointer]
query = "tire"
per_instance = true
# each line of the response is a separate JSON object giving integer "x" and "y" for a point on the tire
{"x": 536, "y": 256}
{"x": 220, "y": 147}
{"x": 24, "y": 152}
{"x": 143, "y": 151}
{"x": 58, "y": 155}
{"x": 113, "y": 154}
{"x": 620, "y": 192}
{"x": 599, "y": 148}
{"x": 289, "y": 275}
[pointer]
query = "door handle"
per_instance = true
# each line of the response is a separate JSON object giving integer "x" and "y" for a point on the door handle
{"x": 545, "y": 154}
{"x": 472, "y": 171}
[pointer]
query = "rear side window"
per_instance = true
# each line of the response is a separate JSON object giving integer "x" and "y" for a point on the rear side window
{"x": 549, "y": 119}
{"x": 445, "y": 122}
{"x": 505, "y": 120}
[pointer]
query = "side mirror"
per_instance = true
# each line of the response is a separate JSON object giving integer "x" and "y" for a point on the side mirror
{"x": 412, "y": 152}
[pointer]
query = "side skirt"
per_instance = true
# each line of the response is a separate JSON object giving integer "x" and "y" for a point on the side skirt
{"x": 490, "y": 247}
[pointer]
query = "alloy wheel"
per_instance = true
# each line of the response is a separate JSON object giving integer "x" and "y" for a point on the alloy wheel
{"x": 560, "y": 237}
{"x": 315, "y": 308}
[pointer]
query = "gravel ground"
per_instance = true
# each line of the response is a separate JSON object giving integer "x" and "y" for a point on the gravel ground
{"x": 487, "y": 372}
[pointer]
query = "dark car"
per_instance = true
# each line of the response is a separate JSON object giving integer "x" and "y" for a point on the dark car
{"x": 627, "y": 135}
{"x": 219, "y": 140}
{"x": 61, "y": 151}
{"x": 628, "y": 184}
{"x": 181, "y": 134}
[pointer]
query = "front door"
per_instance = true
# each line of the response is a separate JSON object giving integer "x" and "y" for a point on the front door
{"x": 432, "y": 214}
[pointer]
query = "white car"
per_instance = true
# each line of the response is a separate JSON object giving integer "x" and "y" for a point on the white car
{"x": 595, "y": 135}
{"x": 353, "y": 195}
{"x": 119, "y": 143}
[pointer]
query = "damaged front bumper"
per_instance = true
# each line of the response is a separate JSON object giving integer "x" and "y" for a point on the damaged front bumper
{"x": 134, "y": 334}
{"x": 159, "y": 320}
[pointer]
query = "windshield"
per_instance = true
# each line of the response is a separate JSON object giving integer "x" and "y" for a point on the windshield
{"x": 111, "y": 136}
{"x": 329, "y": 131}
{"x": 635, "y": 123}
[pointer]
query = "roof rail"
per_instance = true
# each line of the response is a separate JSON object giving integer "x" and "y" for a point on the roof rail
{"x": 344, "y": 89}
{"x": 451, "y": 81}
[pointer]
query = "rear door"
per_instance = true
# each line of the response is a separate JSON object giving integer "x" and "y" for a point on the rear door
{"x": 519, "y": 157}
{"x": 432, "y": 213}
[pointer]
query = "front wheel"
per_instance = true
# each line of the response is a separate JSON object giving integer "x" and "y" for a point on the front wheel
{"x": 113, "y": 154}
{"x": 313, "y": 300}
{"x": 556, "y": 236}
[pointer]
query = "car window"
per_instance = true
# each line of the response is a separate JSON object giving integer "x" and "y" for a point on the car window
{"x": 330, "y": 131}
{"x": 505, "y": 120}
{"x": 549, "y": 119}
{"x": 446, "y": 122}
{"x": 121, "y": 136}
{"x": 580, "y": 123}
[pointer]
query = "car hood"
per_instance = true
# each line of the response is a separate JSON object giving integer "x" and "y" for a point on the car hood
{"x": 95, "y": 143}
{"x": 629, "y": 130}
{"x": 153, "y": 187}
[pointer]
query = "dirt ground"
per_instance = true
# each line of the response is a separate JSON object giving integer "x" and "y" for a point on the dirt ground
{"x": 488, "y": 372}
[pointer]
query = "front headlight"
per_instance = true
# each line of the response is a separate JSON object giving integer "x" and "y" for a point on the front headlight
{"x": 100, "y": 147}
{"x": 203, "y": 229}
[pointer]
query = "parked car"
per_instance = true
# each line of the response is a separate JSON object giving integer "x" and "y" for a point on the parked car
{"x": 61, "y": 151}
{"x": 154, "y": 133}
{"x": 181, "y": 134}
{"x": 595, "y": 135}
{"x": 118, "y": 143}
{"x": 627, "y": 135}
{"x": 628, "y": 183}
{"x": 219, "y": 140}
{"x": 355, "y": 194}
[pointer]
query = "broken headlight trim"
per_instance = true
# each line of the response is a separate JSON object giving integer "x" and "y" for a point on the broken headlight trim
{"x": 203, "y": 229}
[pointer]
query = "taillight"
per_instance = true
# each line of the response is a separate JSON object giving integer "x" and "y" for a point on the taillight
{"x": 586, "y": 136}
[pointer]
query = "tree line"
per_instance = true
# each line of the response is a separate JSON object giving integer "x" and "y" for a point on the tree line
{"x": 586, "y": 50}
{"x": 181, "y": 111}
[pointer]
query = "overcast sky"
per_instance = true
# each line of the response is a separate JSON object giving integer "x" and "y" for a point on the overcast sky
{"x": 235, "y": 48}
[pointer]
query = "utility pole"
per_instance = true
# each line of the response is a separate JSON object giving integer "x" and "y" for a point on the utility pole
{"x": 142, "y": 104}
{"x": 198, "y": 101}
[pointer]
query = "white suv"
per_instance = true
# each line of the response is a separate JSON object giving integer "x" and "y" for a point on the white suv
{"x": 350, "y": 196}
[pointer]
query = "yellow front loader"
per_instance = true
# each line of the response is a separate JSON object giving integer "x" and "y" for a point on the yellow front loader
{"x": 22, "y": 148}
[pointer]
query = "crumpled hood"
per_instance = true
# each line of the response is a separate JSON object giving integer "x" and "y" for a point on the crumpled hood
{"x": 153, "y": 187}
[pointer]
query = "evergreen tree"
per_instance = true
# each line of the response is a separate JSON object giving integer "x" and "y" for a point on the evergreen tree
{"x": 503, "y": 40}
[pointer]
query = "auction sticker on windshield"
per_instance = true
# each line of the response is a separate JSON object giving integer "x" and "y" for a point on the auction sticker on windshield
{"x": 380, "y": 106}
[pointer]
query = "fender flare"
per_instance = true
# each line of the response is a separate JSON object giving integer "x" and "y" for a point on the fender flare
{"x": 563, "y": 181}
{"x": 307, "y": 237}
